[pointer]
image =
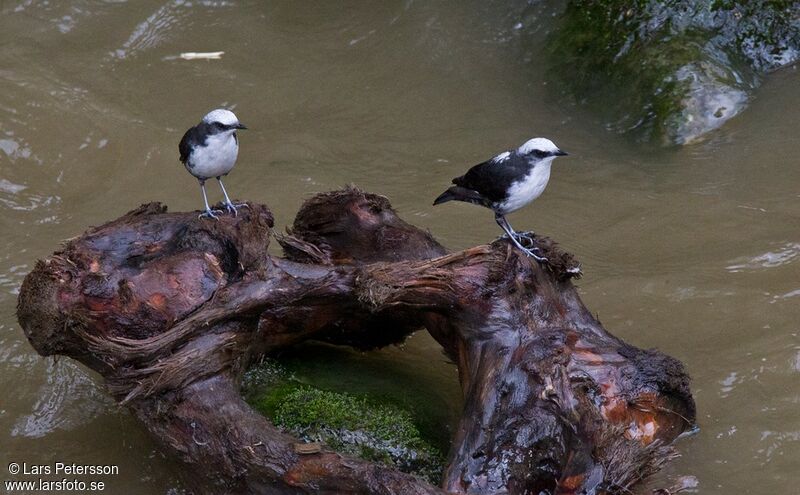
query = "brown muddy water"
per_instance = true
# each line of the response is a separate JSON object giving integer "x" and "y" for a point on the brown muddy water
{"x": 695, "y": 251}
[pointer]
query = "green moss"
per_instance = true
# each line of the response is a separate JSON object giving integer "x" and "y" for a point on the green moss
{"x": 361, "y": 427}
{"x": 355, "y": 425}
{"x": 436, "y": 404}
{"x": 269, "y": 402}
{"x": 312, "y": 408}
{"x": 266, "y": 385}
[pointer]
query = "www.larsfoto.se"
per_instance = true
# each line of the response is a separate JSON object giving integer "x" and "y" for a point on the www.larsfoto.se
{"x": 54, "y": 485}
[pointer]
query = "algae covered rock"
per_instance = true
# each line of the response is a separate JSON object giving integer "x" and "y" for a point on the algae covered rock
{"x": 671, "y": 70}
{"x": 354, "y": 425}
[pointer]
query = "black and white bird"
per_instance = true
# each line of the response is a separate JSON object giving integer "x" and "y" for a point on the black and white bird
{"x": 506, "y": 183}
{"x": 209, "y": 150}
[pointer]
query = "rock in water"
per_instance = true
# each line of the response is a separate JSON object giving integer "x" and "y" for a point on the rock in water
{"x": 671, "y": 70}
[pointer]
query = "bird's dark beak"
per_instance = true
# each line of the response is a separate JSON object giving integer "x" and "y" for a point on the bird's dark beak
{"x": 560, "y": 153}
{"x": 240, "y": 126}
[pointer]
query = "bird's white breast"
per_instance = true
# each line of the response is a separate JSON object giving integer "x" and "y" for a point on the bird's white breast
{"x": 216, "y": 158}
{"x": 528, "y": 188}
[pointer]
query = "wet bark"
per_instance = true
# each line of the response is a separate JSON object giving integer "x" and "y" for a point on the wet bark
{"x": 171, "y": 309}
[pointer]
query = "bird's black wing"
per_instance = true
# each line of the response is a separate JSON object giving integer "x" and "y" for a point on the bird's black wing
{"x": 492, "y": 178}
{"x": 192, "y": 138}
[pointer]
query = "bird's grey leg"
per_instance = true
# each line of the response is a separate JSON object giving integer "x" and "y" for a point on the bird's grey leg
{"x": 228, "y": 204}
{"x": 209, "y": 212}
{"x": 503, "y": 223}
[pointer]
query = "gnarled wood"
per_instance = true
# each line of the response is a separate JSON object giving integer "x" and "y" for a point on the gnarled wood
{"x": 170, "y": 310}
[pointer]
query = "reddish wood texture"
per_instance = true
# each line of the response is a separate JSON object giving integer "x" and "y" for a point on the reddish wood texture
{"x": 170, "y": 309}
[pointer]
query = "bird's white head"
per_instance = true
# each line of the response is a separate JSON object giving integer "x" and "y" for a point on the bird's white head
{"x": 224, "y": 117}
{"x": 540, "y": 148}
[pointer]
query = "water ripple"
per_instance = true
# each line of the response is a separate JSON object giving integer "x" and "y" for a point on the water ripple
{"x": 12, "y": 279}
{"x": 788, "y": 295}
{"x": 160, "y": 26}
{"x": 68, "y": 399}
{"x": 775, "y": 442}
{"x": 63, "y": 16}
{"x": 16, "y": 149}
{"x": 29, "y": 202}
{"x": 770, "y": 259}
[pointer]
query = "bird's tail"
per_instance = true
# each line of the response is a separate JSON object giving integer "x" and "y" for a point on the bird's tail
{"x": 459, "y": 193}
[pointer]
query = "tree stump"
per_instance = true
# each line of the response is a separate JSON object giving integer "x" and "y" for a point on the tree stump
{"x": 171, "y": 309}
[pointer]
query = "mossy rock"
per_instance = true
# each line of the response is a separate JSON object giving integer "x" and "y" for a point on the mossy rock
{"x": 354, "y": 425}
{"x": 670, "y": 71}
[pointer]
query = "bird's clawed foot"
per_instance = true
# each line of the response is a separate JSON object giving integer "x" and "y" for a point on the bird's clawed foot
{"x": 520, "y": 236}
{"x": 525, "y": 236}
{"x": 529, "y": 239}
{"x": 530, "y": 252}
{"x": 209, "y": 213}
{"x": 232, "y": 207}
{"x": 517, "y": 238}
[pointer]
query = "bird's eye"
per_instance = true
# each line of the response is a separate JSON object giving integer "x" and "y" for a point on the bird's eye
{"x": 540, "y": 153}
